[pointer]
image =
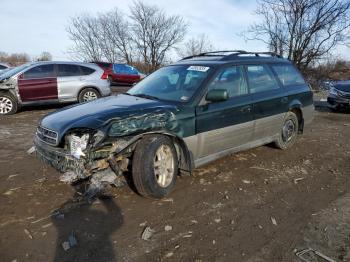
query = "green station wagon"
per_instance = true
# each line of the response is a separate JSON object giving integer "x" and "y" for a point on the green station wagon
{"x": 180, "y": 117}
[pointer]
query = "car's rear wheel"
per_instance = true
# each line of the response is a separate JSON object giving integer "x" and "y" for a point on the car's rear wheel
{"x": 155, "y": 166}
{"x": 289, "y": 131}
{"x": 88, "y": 94}
{"x": 8, "y": 104}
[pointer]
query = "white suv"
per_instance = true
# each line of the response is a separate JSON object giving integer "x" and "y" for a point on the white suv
{"x": 51, "y": 82}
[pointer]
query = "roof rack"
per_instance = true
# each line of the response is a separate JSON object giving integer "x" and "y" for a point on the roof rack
{"x": 233, "y": 54}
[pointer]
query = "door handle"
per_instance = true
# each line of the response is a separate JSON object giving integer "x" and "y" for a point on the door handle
{"x": 284, "y": 100}
{"x": 246, "y": 109}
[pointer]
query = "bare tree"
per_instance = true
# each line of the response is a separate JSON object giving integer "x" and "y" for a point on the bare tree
{"x": 84, "y": 31}
{"x": 303, "y": 30}
{"x": 45, "y": 56}
{"x": 145, "y": 37}
{"x": 15, "y": 59}
{"x": 155, "y": 33}
{"x": 195, "y": 46}
{"x": 116, "y": 37}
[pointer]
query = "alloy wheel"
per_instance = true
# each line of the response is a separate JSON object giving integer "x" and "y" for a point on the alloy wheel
{"x": 6, "y": 105}
{"x": 164, "y": 166}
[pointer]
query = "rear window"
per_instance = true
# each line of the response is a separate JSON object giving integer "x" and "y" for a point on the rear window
{"x": 261, "y": 79}
{"x": 41, "y": 71}
{"x": 68, "y": 70}
{"x": 87, "y": 70}
{"x": 288, "y": 75}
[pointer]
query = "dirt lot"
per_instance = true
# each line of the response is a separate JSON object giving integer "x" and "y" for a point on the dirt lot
{"x": 258, "y": 205}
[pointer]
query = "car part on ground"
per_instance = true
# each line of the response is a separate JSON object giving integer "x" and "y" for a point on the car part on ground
{"x": 52, "y": 82}
{"x": 168, "y": 124}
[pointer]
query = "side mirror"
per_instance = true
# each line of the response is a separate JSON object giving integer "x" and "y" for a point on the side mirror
{"x": 217, "y": 95}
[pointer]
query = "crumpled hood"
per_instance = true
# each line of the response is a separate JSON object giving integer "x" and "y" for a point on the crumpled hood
{"x": 96, "y": 114}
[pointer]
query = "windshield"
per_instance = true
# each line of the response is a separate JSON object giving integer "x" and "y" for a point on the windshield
{"x": 13, "y": 71}
{"x": 172, "y": 83}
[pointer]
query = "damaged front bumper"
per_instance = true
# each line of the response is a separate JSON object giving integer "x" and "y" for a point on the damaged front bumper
{"x": 100, "y": 165}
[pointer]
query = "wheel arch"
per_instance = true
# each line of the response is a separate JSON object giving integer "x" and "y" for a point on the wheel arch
{"x": 186, "y": 163}
{"x": 296, "y": 107}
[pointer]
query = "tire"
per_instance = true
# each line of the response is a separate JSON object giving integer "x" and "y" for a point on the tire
{"x": 8, "y": 104}
{"x": 289, "y": 131}
{"x": 88, "y": 94}
{"x": 150, "y": 180}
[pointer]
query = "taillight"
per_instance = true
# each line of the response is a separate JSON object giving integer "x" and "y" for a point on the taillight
{"x": 104, "y": 75}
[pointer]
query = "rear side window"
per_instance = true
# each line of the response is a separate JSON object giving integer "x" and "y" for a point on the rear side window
{"x": 41, "y": 71}
{"x": 68, "y": 70}
{"x": 231, "y": 79}
{"x": 2, "y": 67}
{"x": 288, "y": 75}
{"x": 125, "y": 69}
{"x": 87, "y": 70}
{"x": 261, "y": 79}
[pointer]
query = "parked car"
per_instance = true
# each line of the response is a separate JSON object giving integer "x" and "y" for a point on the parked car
{"x": 180, "y": 117}
{"x": 51, "y": 82}
{"x": 3, "y": 66}
{"x": 121, "y": 73}
{"x": 339, "y": 95}
{"x": 5, "y": 70}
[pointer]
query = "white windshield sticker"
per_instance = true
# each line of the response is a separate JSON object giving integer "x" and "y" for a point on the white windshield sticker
{"x": 198, "y": 68}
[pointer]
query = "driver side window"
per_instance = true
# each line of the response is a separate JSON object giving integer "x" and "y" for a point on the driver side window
{"x": 231, "y": 79}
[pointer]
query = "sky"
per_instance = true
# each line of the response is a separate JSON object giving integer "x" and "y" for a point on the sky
{"x": 34, "y": 26}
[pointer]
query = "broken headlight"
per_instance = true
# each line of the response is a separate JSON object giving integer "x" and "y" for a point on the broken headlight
{"x": 77, "y": 144}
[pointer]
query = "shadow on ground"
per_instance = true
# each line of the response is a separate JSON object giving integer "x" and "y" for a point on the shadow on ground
{"x": 92, "y": 225}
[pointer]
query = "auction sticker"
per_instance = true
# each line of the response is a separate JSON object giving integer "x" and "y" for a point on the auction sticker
{"x": 198, "y": 68}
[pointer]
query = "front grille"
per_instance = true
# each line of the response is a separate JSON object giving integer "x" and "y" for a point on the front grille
{"x": 47, "y": 135}
{"x": 343, "y": 94}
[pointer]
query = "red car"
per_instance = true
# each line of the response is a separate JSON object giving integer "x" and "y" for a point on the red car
{"x": 120, "y": 73}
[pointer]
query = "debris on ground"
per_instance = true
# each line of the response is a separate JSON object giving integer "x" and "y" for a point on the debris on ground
{"x": 170, "y": 254}
{"x": 147, "y": 233}
{"x": 296, "y": 180}
{"x": 72, "y": 242}
{"x": 28, "y": 233}
{"x": 273, "y": 220}
{"x": 309, "y": 255}
{"x": 31, "y": 150}
{"x": 246, "y": 181}
{"x": 168, "y": 228}
{"x": 10, "y": 191}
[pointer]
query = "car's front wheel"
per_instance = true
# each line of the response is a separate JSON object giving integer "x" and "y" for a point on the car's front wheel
{"x": 155, "y": 166}
{"x": 8, "y": 104}
{"x": 289, "y": 131}
{"x": 88, "y": 94}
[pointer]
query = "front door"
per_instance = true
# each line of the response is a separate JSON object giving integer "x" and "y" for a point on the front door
{"x": 38, "y": 83}
{"x": 227, "y": 124}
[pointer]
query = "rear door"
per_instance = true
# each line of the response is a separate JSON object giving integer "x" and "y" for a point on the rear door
{"x": 38, "y": 83}
{"x": 269, "y": 101}
{"x": 227, "y": 124}
{"x": 70, "y": 80}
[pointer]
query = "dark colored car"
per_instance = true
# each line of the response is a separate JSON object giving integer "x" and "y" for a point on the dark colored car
{"x": 339, "y": 95}
{"x": 180, "y": 117}
{"x": 121, "y": 73}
